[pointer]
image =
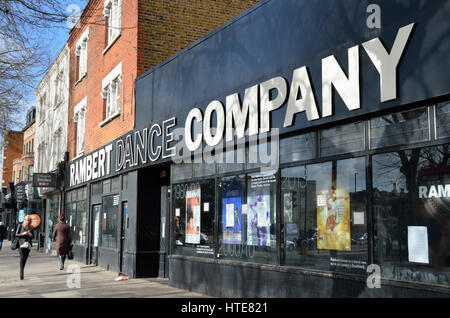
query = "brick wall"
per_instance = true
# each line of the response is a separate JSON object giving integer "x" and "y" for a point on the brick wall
{"x": 100, "y": 64}
{"x": 152, "y": 31}
{"x": 166, "y": 27}
{"x": 12, "y": 151}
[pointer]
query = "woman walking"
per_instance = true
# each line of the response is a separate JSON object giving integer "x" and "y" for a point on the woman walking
{"x": 61, "y": 234}
{"x": 24, "y": 233}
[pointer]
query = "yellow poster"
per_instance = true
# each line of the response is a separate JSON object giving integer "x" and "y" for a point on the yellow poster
{"x": 333, "y": 220}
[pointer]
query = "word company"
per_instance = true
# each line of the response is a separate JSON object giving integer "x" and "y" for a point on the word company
{"x": 141, "y": 147}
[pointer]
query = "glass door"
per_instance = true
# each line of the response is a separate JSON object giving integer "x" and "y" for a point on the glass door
{"x": 95, "y": 233}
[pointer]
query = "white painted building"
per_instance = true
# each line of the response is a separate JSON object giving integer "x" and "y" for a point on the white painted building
{"x": 52, "y": 107}
{"x": 52, "y": 111}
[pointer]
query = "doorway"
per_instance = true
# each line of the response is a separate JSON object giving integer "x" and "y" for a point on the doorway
{"x": 95, "y": 233}
{"x": 123, "y": 233}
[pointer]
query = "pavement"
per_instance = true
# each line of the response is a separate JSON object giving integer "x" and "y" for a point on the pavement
{"x": 44, "y": 279}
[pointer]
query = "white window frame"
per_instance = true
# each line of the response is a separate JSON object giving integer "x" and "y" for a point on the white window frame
{"x": 111, "y": 92}
{"x": 81, "y": 51}
{"x": 112, "y": 11}
{"x": 80, "y": 119}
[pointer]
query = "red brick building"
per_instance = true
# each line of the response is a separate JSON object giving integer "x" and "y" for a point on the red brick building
{"x": 11, "y": 149}
{"x": 115, "y": 42}
{"x": 23, "y": 166}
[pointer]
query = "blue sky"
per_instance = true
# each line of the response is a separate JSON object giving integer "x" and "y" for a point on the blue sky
{"x": 55, "y": 39}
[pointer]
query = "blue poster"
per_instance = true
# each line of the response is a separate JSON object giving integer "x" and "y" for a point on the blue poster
{"x": 232, "y": 213}
{"x": 21, "y": 216}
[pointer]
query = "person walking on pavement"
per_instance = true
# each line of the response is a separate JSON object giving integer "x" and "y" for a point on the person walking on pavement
{"x": 61, "y": 234}
{"x": 24, "y": 233}
{"x": 3, "y": 234}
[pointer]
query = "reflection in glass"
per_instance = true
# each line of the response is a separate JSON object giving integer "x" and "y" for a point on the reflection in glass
{"x": 261, "y": 217}
{"x": 342, "y": 139}
{"x": 76, "y": 214}
{"x": 298, "y": 148}
{"x": 232, "y": 160}
{"x": 443, "y": 119}
{"x": 109, "y": 221}
{"x": 233, "y": 218}
{"x": 399, "y": 128}
{"x": 324, "y": 210}
{"x": 181, "y": 171}
{"x": 193, "y": 218}
{"x": 411, "y": 190}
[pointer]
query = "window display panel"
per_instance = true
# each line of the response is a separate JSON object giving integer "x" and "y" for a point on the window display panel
{"x": 76, "y": 216}
{"x": 193, "y": 218}
{"x": 81, "y": 223}
{"x": 260, "y": 218}
{"x": 109, "y": 221}
{"x": 324, "y": 211}
{"x": 233, "y": 218}
{"x": 342, "y": 139}
{"x": 298, "y": 148}
{"x": 411, "y": 191}
{"x": 399, "y": 128}
{"x": 53, "y": 209}
{"x": 443, "y": 119}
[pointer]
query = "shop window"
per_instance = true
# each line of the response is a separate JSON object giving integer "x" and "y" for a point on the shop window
{"x": 204, "y": 169}
{"x": 443, "y": 119}
{"x": 109, "y": 221}
{"x": 73, "y": 194}
{"x": 115, "y": 184}
{"x": 97, "y": 189}
{"x": 181, "y": 171}
{"x": 399, "y": 128}
{"x": 76, "y": 215}
{"x": 193, "y": 216}
{"x": 80, "y": 193}
{"x": 107, "y": 186}
{"x": 411, "y": 194}
{"x": 232, "y": 160}
{"x": 53, "y": 211}
{"x": 260, "y": 221}
{"x": 298, "y": 148}
{"x": 263, "y": 152}
{"x": 247, "y": 215}
{"x": 324, "y": 216}
{"x": 342, "y": 139}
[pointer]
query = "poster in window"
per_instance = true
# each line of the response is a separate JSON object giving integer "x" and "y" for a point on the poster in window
{"x": 258, "y": 224}
{"x": 232, "y": 214}
{"x": 193, "y": 216}
{"x": 288, "y": 207}
{"x": 333, "y": 221}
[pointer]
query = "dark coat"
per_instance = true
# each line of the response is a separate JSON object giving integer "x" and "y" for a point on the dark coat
{"x": 23, "y": 238}
{"x": 63, "y": 239}
{"x": 3, "y": 232}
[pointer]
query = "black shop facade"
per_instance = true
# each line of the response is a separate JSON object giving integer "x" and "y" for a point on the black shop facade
{"x": 269, "y": 160}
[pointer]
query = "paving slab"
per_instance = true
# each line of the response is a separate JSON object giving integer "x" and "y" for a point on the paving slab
{"x": 44, "y": 279}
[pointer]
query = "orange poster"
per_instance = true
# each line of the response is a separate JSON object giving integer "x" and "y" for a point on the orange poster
{"x": 333, "y": 220}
